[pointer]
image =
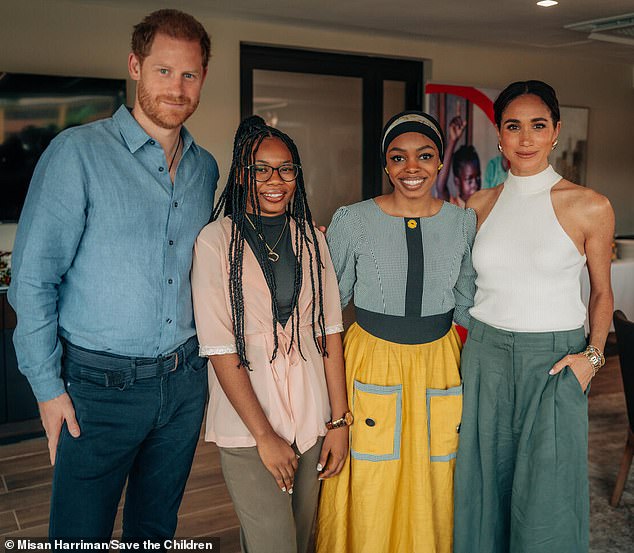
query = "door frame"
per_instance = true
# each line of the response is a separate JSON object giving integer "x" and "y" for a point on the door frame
{"x": 373, "y": 70}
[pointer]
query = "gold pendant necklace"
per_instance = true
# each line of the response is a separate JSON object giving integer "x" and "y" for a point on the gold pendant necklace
{"x": 272, "y": 254}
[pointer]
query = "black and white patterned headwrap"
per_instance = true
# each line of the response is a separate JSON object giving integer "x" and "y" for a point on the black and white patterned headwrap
{"x": 412, "y": 121}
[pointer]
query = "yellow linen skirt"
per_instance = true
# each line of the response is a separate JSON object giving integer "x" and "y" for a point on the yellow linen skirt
{"x": 395, "y": 492}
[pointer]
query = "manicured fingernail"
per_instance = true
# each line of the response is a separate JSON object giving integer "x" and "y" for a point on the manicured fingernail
{"x": 290, "y": 492}
{"x": 284, "y": 489}
{"x": 320, "y": 478}
{"x": 319, "y": 467}
{"x": 551, "y": 371}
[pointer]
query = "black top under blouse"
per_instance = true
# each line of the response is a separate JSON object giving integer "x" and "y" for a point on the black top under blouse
{"x": 284, "y": 267}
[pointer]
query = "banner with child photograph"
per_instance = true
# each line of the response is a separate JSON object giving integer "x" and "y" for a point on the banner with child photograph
{"x": 472, "y": 160}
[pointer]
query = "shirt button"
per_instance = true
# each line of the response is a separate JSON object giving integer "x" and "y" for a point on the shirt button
{"x": 169, "y": 281}
{"x": 171, "y": 242}
{"x": 168, "y": 321}
{"x": 175, "y": 204}
{"x": 161, "y": 169}
{"x": 152, "y": 142}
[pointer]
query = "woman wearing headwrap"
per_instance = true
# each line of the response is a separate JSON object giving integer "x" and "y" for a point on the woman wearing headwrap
{"x": 269, "y": 319}
{"x": 405, "y": 259}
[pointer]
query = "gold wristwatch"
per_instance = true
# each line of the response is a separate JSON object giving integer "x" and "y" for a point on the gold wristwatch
{"x": 595, "y": 356}
{"x": 346, "y": 420}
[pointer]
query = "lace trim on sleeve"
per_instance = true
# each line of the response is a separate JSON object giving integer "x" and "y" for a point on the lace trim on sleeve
{"x": 206, "y": 351}
{"x": 334, "y": 329}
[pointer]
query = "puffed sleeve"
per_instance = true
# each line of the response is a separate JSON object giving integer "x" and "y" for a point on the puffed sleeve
{"x": 332, "y": 304}
{"x": 210, "y": 293}
{"x": 464, "y": 290}
{"x": 341, "y": 242}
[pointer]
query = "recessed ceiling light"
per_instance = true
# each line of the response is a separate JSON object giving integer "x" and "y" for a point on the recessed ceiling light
{"x": 547, "y": 3}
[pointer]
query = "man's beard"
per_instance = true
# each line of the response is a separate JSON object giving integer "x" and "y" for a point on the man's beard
{"x": 163, "y": 117}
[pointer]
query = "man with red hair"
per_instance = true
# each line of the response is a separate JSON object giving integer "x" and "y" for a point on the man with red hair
{"x": 101, "y": 288}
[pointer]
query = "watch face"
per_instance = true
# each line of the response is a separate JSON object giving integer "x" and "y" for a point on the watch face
{"x": 348, "y": 418}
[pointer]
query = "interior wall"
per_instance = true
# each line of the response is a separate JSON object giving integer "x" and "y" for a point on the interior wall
{"x": 70, "y": 37}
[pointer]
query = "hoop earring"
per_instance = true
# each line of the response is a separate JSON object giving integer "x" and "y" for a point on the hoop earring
{"x": 441, "y": 166}
{"x": 555, "y": 143}
{"x": 500, "y": 147}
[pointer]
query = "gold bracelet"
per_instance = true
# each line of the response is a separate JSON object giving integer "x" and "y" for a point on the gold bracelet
{"x": 346, "y": 420}
{"x": 596, "y": 358}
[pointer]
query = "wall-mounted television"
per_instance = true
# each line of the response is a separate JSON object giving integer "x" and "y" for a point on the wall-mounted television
{"x": 33, "y": 110}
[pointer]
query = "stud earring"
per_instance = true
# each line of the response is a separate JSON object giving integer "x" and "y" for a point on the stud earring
{"x": 500, "y": 147}
{"x": 386, "y": 171}
{"x": 441, "y": 166}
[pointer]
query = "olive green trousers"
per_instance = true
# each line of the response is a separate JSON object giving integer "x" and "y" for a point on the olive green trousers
{"x": 521, "y": 481}
{"x": 272, "y": 521}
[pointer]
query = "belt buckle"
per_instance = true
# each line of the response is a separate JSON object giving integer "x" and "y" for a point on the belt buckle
{"x": 162, "y": 360}
{"x": 175, "y": 356}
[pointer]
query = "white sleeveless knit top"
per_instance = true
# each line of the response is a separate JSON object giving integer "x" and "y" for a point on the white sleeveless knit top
{"x": 528, "y": 267}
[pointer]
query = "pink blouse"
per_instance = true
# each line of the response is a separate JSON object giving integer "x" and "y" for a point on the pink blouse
{"x": 292, "y": 391}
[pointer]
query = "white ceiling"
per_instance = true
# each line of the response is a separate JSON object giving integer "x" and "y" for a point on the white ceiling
{"x": 517, "y": 23}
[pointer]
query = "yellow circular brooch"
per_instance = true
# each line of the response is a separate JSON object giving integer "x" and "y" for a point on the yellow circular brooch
{"x": 412, "y": 223}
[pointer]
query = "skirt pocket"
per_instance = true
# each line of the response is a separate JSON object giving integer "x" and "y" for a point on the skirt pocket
{"x": 444, "y": 411}
{"x": 376, "y": 432}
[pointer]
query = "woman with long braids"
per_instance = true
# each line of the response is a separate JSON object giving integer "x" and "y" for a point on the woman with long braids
{"x": 522, "y": 468}
{"x": 267, "y": 310}
{"x": 405, "y": 257}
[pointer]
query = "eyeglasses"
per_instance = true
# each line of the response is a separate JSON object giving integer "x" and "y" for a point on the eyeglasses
{"x": 288, "y": 171}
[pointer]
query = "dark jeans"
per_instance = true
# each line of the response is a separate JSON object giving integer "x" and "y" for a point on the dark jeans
{"x": 133, "y": 425}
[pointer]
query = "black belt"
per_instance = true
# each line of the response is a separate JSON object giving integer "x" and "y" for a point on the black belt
{"x": 405, "y": 329}
{"x": 108, "y": 369}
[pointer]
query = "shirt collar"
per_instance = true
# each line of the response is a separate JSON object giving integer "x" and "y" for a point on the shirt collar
{"x": 188, "y": 140}
{"x": 134, "y": 135}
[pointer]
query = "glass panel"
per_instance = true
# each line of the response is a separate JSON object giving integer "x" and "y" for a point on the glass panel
{"x": 393, "y": 102}
{"x": 323, "y": 115}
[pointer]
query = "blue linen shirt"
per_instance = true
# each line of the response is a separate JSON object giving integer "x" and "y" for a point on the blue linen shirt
{"x": 104, "y": 247}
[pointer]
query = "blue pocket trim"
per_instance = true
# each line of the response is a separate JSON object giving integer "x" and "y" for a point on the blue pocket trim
{"x": 442, "y": 458}
{"x": 455, "y": 391}
{"x": 436, "y": 392}
{"x": 382, "y": 391}
{"x": 379, "y": 390}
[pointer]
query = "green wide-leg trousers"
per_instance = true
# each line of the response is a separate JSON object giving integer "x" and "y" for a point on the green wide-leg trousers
{"x": 521, "y": 481}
